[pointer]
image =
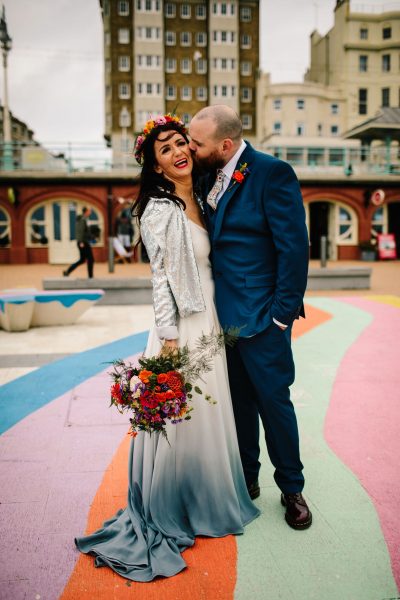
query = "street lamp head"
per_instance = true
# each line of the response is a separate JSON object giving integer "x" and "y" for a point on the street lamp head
{"x": 5, "y": 40}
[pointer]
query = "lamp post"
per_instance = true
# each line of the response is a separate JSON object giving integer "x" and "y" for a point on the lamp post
{"x": 124, "y": 122}
{"x": 6, "y": 44}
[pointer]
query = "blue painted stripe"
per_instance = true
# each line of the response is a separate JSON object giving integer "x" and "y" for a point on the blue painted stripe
{"x": 21, "y": 397}
{"x": 14, "y": 300}
{"x": 67, "y": 301}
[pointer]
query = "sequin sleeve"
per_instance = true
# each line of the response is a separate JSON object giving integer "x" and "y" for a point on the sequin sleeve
{"x": 154, "y": 225}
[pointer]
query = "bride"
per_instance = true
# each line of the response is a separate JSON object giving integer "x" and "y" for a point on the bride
{"x": 192, "y": 484}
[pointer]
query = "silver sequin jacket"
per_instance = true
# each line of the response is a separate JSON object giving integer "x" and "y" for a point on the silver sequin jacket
{"x": 177, "y": 291}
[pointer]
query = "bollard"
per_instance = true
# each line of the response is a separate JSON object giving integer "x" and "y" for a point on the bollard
{"x": 110, "y": 255}
{"x": 323, "y": 248}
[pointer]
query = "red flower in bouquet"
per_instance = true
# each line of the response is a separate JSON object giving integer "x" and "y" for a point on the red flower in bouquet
{"x": 160, "y": 389}
{"x": 239, "y": 175}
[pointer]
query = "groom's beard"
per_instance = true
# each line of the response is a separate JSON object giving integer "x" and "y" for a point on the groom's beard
{"x": 209, "y": 163}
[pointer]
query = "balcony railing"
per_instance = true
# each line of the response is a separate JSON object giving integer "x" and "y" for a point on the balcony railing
{"x": 75, "y": 158}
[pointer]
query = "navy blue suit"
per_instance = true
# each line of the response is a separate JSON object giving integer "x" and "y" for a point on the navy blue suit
{"x": 259, "y": 254}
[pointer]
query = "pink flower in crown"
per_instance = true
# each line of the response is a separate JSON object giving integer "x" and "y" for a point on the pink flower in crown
{"x": 160, "y": 121}
{"x": 139, "y": 140}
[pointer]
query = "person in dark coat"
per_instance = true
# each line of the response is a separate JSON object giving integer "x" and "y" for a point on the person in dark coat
{"x": 83, "y": 237}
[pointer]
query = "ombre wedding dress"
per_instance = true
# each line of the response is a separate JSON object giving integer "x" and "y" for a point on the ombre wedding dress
{"x": 193, "y": 485}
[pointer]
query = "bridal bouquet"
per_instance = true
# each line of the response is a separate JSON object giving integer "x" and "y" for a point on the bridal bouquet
{"x": 161, "y": 387}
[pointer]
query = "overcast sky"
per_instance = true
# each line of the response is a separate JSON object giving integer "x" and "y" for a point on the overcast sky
{"x": 56, "y": 64}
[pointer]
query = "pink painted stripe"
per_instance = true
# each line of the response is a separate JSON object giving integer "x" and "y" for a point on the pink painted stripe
{"x": 362, "y": 424}
{"x": 53, "y": 462}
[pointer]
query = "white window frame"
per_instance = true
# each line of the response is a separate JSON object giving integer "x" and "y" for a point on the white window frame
{"x": 247, "y": 121}
{"x": 334, "y": 108}
{"x": 246, "y": 94}
{"x": 201, "y": 66}
{"x": 199, "y": 12}
{"x": 170, "y": 38}
{"x": 277, "y": 127}
{"x": 201, "y": 39}
{"x": 124, "y": 35}
{"x": 245, "y": 41}
{"x": 124, "y": 63}
{"x": 186, "y": 66}
{"x": 245, "y": 15}
{"x": 201, "y": 93}
{"x": 123, "y": 8}
{"x": 350, "y": 237}
{"x": 379, "y": 225}
{"x": 183, "y": 95}
{"x": 277, "y": 103}
{"x": 186, "y": 11}
{"x": 170, "y": 65}
{"x": 6, "y": 224}
{"x": 170, "y": 92}
{"x": 185, "y": 39}
{"x": 124, "y": 91}
{"x": 245, "y": 68}
{"x": 170, "y": 10}
{"x": 300, "y": 103}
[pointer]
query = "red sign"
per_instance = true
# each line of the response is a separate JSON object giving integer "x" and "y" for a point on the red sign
{"x": 386, "y": 245}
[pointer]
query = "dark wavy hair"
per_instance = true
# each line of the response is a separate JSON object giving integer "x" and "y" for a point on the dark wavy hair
{"x": 153, "y": 184}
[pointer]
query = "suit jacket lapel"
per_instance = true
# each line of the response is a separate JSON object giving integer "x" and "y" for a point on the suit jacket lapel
{"x": 232, "y": 189}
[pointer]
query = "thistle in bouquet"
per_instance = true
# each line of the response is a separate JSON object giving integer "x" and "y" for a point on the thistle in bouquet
{"x": 161, "y": 387}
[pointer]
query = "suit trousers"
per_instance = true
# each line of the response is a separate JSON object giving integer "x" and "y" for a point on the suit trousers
{"x": 85, "y": 255}
{"x": 261, "y": 369}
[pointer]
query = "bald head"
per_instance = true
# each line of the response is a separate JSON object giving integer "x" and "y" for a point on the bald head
{"x": 227, "y": 122}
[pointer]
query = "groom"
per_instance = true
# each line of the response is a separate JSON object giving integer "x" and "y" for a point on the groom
{"x": 259, "y": 251}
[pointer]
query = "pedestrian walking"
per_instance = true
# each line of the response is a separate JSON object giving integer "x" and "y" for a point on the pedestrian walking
{"x": 83, "y": 237}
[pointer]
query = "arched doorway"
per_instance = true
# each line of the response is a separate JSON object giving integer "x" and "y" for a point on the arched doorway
{"x": 335, "y": 220}
{"x": 52, "y": 224}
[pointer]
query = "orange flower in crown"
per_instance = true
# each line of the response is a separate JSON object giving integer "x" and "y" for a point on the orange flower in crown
{"x": 158, "y": 121}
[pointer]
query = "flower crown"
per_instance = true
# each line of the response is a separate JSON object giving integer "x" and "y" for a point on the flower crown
{"x": 149, "y": 126}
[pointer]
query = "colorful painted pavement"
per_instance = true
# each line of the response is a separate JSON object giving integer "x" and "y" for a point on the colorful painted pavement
{"x": 63, "y": 459}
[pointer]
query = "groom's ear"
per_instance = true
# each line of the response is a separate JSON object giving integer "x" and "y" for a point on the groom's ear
{"x": 227, "y": 145}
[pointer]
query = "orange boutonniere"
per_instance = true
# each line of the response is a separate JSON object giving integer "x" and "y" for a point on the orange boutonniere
{"x": 239, "y": 175}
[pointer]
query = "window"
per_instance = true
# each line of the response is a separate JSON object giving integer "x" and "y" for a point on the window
{"x": 171, "y": 92}
{"x": 186, "y": 118}
{"x": 277, "y": 127}
{"x": 223, "y": 8}
{"x": 386, "y": 63}
{"x": 124, "y": 63}
{"x": 170, "y": 10}
{"x": 201, "y": 93}
{"x": 246, "y": 94}
{"x": 385, "y": 97}
{"x": 107, "y": 38}
{"x": 149, "y": 89}
{"x": 224, "y": 91}
{"x": 245, "y": 14}
{"x": 346, "y": 225}
{"x": 186, "y": 92}
{"x": 123, "y": 8}
{"x": 201, "y": 38}
{"x": 300, "y": 129}
{"x": 334, "y": 130}
{"x": 300, "y": 103}
{"x": 277, "y": 104}
{"x": 363, "y": 33}
{"x": 124, "y": 91}
{"x": 247, "y": 121}
{"x": 123, "y": 35}
{"x": 5, "y": 229}
{"x": 201, "y": 12}
{"x": 245, "y": 68}
{"x": 245, "y": 41}
{"x": 379, "y": 221}
{"x": 186, "y": 65}
{"x": 363, "y": 63}
{"x": 37, "y": 227}
{"x": 170, "y": 65}
{"x": 170, "y": 38}
{"x": 201, "y": 66}
{"x": 186, "y": 12}
{"x": 362, "y": 101}
{"x": 386, "y": 33}
{"x": 124, "y": 118}
{"x": 334, "y": 109}
{"x": 186, "y": 38}
{"x": 106, "y": 8}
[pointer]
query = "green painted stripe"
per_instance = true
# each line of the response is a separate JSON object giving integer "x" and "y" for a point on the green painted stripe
{"x": 343, "y": 556}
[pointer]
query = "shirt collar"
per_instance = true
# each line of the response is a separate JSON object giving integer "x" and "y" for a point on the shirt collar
{"x": 229, "y": 168}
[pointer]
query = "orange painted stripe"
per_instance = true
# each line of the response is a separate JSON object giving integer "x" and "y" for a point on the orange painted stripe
{"x": 211, "y": 572}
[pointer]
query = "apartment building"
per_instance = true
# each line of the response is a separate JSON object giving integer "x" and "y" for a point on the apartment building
{"x": 177, "y": 57}
{"x": 361, "y": 56}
